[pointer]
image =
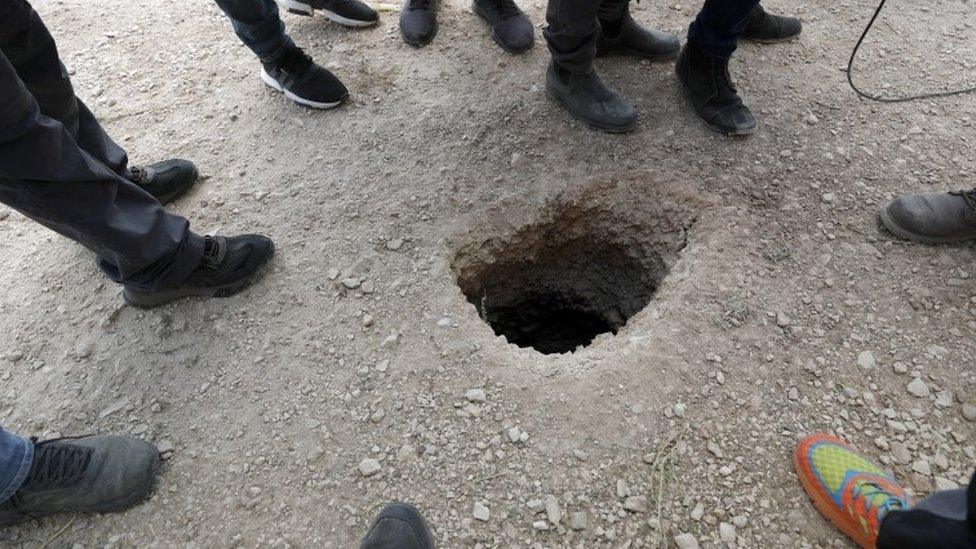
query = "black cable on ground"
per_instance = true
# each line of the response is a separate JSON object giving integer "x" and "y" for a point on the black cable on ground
{"x": 872, "y": 97}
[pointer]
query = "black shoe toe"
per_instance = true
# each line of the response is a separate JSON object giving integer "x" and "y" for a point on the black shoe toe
{"x": 399, "y": 526}
{"x": 729, "y": 119}
{"x": 515, "y": 35}
{"x": 418, "y": 26}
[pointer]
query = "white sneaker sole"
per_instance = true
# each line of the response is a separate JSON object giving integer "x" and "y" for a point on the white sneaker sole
{"x": 301, "y": 8}
{"x": 273, "y": 84}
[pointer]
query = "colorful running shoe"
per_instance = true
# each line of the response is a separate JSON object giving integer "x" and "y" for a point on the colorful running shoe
{"x": 847, "y": 489}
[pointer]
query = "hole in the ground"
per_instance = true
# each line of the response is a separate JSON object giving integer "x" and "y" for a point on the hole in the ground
{"x": 585, "y": 270}
{"x": 566, "y": 295}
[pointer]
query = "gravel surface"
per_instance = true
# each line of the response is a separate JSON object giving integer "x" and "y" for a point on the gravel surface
{"x": 358, "y": 372}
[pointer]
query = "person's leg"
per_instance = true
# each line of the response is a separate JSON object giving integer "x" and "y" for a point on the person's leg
{"x": 31, "y": 50}
{"x": 945, "y": 519}
{"x": 46, "y": 175}
{"x": 703, "y": 66}
{"x": 719, "y": 25}
{"x": 259, "y": 26}
{"x": 285, "y": 67}
{"x": 572, "y": 33}
{"x": 572, "y": 36}
{"x": 16, "y": 455}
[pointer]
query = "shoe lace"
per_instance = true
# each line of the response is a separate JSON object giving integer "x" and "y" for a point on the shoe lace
{"x": 968, "y": 196}
{"x": 137, "y": 174}
{"x": 869, "y": 492}
{"x": 294, "y": 61}
{"x": 214, "y": 251}
{"x": 56, "y": 465}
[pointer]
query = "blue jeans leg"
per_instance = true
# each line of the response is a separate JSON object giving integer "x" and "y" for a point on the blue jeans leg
{"x": 258, "y": 25}
{"x": 720, "y": 24}
{"x": 16, "y": 455}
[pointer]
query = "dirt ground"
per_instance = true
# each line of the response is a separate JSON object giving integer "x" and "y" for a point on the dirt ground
{"x": 784, "y": 310}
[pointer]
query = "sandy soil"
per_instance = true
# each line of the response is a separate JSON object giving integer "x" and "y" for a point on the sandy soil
{"x": 359, "y": 344}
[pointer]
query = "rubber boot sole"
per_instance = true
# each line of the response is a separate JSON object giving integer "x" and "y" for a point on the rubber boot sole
{"x": 150, "y": 300}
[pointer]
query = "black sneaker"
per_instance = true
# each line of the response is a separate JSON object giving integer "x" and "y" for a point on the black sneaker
{"x": 301, "y": 80}
{"x": 95, "y": 474}
{"x": 587, "y": 97}
{"x": 626, "y": 37}
{"x": 708, "y": 86}
{"x": 510, "y": 28}
{"x": 766, "y": 28}
{"x": 398, "y": 526}
{"x": 932, "y": 218}
{"x": 228, "y": 266}
{"x": 166, "y": 180}
{"x": 418, "y": 21}
{"x": 351, "y": 13}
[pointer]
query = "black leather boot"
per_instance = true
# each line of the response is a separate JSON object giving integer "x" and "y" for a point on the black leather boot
{"x": 624, "y": 36}
{"x": 766, "y": 28}
{"x": 708, "y": 86}
{"x": 587, "y": 97}
{"x": 932, "y": 218}
{"x": 510, "y": 28}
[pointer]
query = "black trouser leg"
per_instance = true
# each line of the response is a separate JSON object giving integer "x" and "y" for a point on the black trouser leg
{"x": 720, "y": 24}
{"x": 612, "y": 10}
{"x": 67, "y": 175}
{"x": 572, "y": 32}
{"x": 944, "y": 519}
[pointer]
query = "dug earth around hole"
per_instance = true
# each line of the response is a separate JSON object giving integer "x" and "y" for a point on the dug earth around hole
{"x": 580, "y": 267}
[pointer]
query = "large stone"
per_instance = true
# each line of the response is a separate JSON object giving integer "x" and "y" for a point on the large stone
{"x": 481, "y": 511}
{"x": 918, "y": 388}
{"x": 578, "y": 520}
{"x": 553, "y": 512}
{"x": 369, "y": 467}
{"x": 636, "y": 504}
{"x": 686, "y": 541}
